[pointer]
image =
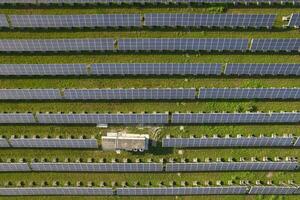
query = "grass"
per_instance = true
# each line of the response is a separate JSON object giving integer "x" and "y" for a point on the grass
{"x": 138, "y": 106}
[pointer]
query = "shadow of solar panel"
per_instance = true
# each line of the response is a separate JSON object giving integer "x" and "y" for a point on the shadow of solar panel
{"x": 53, "y": 143}
{"x": 56, "y": 45}
{"x": 129, "y": 94}
{"x": 249, "y": 93}
{"x": 75, "y": 21}
{"x": 16, "y": 118}
{"x": 29, "y": 94}
{"x": 102, "y": 118}
{"x": 3, "y": 21}
{"x": 176, "y": 44}
{"x": 36, "y": 191}
{"x": 156, "y": 69}
{"x": 182, "y": 190}
{"x": 209, "y": 20}
{"x": 228, "y": 142}
{"x": 42, "y": 69}
{"x": 276, "y": 45}
{"x": 231, "y": 166}
{"x": 262, "y": 69}
{"x": 235, "y": 118}
{"x": 3, "y": 143}
{"x": 14, "y": 167}
{"x": 272, "y": 190}
{"x": 294, "y": 20}
{"x": 97, "y": 167}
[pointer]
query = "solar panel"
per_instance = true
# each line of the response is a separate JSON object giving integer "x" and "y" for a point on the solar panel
{"x": 297, "y": 142}
{"x": 97, "y": 167}
{"x": 18, "y": 1}
{"x": 29, "y": 94}
{"x": 53, "y": 143}
{"x": 132, "y": 94}
{"x": 276, "y": 45}
{"x": 36, "y": 191}
{"x": 154, "y": 118}
{"x": 16, "y": 118}
{"x": 231, "y": 166}
{"x": 262, "y": 69}
{"x": 14, "y": 167}
{"x": 272, "y": 190}
{"x": 228, "y": 142}
{"x": 249, "y": 93}
{"x": 3, "y": 143}
{"x": 56, "y": 45}
{"x": 235, "y": 118}
{"x": 140, "y": 191}
{"x": 42, "y": 69}
{"x": 209, "y": 20}
{"x": 294, "y": 20}
{"x": 75, "y": 21}
{"x": 156, "y": 69}
{"x": 3, "y": 21}
{"x": 178, "y": 44}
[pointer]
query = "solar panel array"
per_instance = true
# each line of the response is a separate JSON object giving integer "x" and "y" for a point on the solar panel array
{"x": 129, "y": 94}
{"x": 3, "y": 21}
{"x": 287, "y": 45}
{"x": 19, "y": 1}
{"x": 182, "y": 191}
{"x": 14, "y": 167}
{"x": 228, "y": 142}
{"x": 297, "y": 142}
{"x": 97, "y": 167}
{"x": 56, "y": 45}
{"x": 17, "y": 118}
{"x": 75, "y": 21}
{"x": 177, "y": 44}
{"x": 262, "y": 69}
{"x": 249, "y": 93}
{"x": 231, "y": 166}
{"x": 294, "y": 20}
{"x": 272, "y": 190}
{"x": 53, "y": 143}
{"x": 29, "y": 94}
{"x": 3, "y": 143}
{"x": 35, "y": 191}
{"x": 158, "y": 118}
{"x": 156, "y": 69}
{"x": 235, "y": 118}
{"x": 209, "y": 20}
{"x": 42, "y": 69}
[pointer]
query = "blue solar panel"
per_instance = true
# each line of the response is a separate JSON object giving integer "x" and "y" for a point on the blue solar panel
{"x": 156, "y": 69}
{"x": 272, "y": 190}
{"x": 294, "y": 20}
{"x": 16, "y": 118}
{"x": 176, "y": 44}
{"x": 262, "y": 69}
{"x": 3, "y": 21}
{"x": 30, "y": 94}
{"x": 209, "y": 20}
{"x": 288, "y": 45}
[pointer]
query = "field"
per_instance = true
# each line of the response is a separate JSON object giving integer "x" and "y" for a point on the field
{"x": 155, "y": 153}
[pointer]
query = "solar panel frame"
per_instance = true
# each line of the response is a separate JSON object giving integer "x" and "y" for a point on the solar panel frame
{"x": 4, "y": 143}
{"x": 275, "y": 45}
{"x": 14, "y": 167}
{"x": 294, "y": 20}
{"x": 42, "y": 69}
{"x": 56, "y": 45}
{"x": 17, "y": 118}
{"x": 53, "y": 143}
{"x": 131, "y": 94}
{"x": 180, "y": 44}
{"x": 97, "y": 167}
{"x": 155, "y": 69}
{"x": 75, "y": 21}
{"x": 262, "y": 69}
{"x": 275, "y": 190}
{"x": 30, "y": 94}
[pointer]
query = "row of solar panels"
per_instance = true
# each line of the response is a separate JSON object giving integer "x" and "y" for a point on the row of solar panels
{"x": 150, "y": 191}
{"x": 48, "y": 143}
{"x": 136, "y": 20}
{"x": 150, "y": 94}
{"x": 149, "y": 167}
{"x": 246, "y": 2}
{"x": 150, "y": 44}
{"x": 154, "y": 118}
{"x": 231, "y": 142}
{"x": 147, "y": 69}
